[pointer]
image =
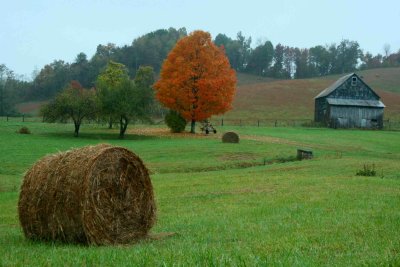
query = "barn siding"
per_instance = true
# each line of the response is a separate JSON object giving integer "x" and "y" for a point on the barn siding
{"x": 355, "y": 117}
{"x": 320, "y": 109}
{"x": 359, "y": 91}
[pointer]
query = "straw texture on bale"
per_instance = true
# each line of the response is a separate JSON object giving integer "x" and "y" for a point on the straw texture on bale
{"x": 230, "y": 137}
{"x": 93, "y": 195}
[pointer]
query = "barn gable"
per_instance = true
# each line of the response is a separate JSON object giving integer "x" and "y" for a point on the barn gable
{"x": 349, "y": 102}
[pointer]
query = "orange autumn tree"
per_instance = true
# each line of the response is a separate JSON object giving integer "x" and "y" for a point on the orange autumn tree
{"x": 196, "y": 79}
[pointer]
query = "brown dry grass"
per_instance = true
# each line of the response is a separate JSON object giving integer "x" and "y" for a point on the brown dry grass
{"x": 30, "y": 107}
{"x": 294, "y": 99}
{"x": 165, "y": 132}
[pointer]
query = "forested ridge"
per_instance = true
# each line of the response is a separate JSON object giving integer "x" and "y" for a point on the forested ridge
{"x": 265, "y": 59}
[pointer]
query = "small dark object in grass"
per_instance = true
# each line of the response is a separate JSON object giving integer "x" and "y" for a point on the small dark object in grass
{"x": 304, "y": 154}
{"x": 24, "y": 130}
{"x": 367, "y": 170}
{"x": 230, "y": 137}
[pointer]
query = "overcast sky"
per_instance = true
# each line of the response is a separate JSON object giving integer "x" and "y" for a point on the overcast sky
{"x": 36, "y": 32}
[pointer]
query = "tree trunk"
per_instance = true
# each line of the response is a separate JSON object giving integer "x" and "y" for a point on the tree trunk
{"x": 123, "y": 124}
{"x": 77, "y": 125}
{"x": 110, "y": 123}
{"x": 193, "y": 127}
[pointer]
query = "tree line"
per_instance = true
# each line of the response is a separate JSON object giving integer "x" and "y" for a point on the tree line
{"x": 115, "y": 98}
{"x": 277, "y": 61}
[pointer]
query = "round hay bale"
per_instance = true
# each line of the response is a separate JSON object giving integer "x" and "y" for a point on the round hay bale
{"x": 230, "y": 137}
{"x": 93, "y": 195}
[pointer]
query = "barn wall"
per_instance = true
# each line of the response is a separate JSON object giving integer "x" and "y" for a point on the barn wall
{"x": 359, "y": 91}
{"x": 320, "y": 109}
{"x": 355, "y": 117}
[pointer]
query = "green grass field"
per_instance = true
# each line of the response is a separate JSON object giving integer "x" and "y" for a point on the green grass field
{"x": 226, "y": 207}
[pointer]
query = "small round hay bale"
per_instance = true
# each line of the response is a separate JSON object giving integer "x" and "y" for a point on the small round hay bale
{"x": 93, "y": 195}
{"x": 230, "y": 137}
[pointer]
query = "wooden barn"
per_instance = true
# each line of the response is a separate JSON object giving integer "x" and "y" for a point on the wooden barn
{"x": 349, "y": 103}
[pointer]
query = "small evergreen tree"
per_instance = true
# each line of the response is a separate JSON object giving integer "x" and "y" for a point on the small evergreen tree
{"x": 175, "y": 121}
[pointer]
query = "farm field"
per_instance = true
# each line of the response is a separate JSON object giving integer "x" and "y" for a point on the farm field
{"x": 294, "y": 99}
{"x": 229, "y": 204}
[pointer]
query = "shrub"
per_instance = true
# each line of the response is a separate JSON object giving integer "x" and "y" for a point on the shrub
{"x": 175, "y": 121}
{"x": 367, "y": 170}
{"x": 24, "y": 130}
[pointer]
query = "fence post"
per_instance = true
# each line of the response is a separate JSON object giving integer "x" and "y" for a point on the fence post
{"x": 23, "y": 117}
{"x": 7, "y": 117}
{"x": 258, "y": 123}
{"x": 222, "y": 122}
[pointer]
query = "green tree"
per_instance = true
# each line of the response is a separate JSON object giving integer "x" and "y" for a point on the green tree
{"x": 120, "y": 97}
{"x": 151, "y": 49}
{"x": 80, "y": 70}
{"x": 12, "y": 90}
{"x": 144, "y": 93}
{"x": 237, "y": 51}
{"x": 74, "y": 103}
{"x": 289, "y": 61}
{"x": 4, "y": 78}
{"x": 51, "y": 79}
{"x": 302, "y": 66}
{"x": 277, "y": 70}
{"x": 346, "y": 57}
{"x": 320, "y": 60}
{"x": 260, "y": 59}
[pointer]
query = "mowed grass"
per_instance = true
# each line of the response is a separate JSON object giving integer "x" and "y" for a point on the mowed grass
{"x": 225, "y": 206}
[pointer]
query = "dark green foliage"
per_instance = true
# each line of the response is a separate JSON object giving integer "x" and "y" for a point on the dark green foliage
{"x": 12, "y": 90}
{"x": 260, "y": 59}
{"x": 175, "y": 121}
{"x": 51, "y": 80}
{"x": 151, "y": 49}
{"x": 238, "y": 51}
{"x": 367, "y": 170}
{"x": 278, "y": 70}
{"x": 74, "y": 103}
{"x": 119, "y": 97}
{"x": 24, "y": 130}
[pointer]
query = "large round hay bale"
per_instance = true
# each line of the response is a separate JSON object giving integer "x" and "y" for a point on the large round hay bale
{"x": 230, "y": 137}
{"x": 94, "y": 195}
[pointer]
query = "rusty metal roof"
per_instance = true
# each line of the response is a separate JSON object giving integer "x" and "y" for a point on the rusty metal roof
{"x": 355, "y": 102}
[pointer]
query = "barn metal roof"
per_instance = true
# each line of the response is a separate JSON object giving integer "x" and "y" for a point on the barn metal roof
{"x": 335, "y": 85}
{"x": 355, "y": 102}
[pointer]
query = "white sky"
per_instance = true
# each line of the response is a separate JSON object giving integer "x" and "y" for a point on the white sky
{"x": 36, "y": 32}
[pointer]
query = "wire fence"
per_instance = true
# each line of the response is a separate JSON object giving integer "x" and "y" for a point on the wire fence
{"x": 263, "y": 122}
{"x": 221, "y": 122}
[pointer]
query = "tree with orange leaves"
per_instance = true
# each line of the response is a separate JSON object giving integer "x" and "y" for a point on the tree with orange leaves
{"x": 196, "y": 79}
